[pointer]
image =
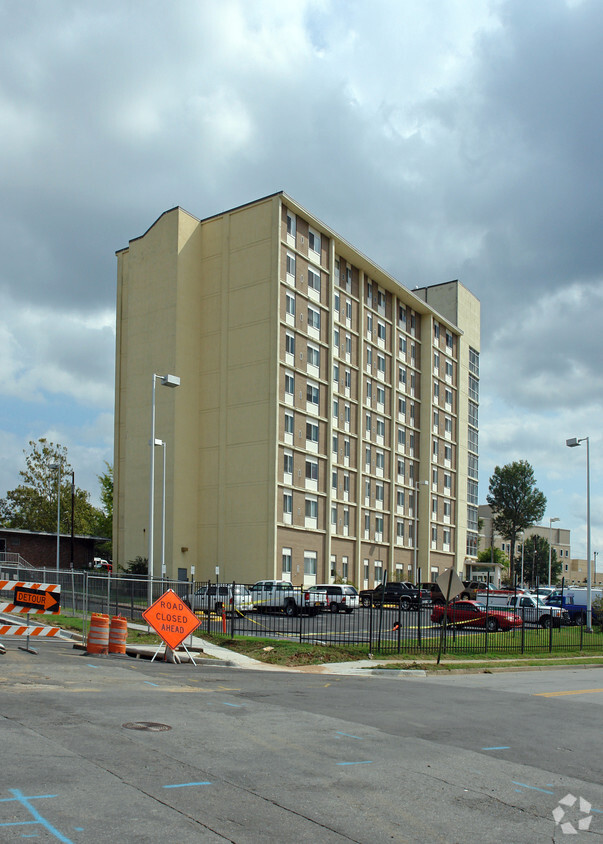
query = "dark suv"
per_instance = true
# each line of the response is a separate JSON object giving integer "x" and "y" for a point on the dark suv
{"x": 403, "y": 594}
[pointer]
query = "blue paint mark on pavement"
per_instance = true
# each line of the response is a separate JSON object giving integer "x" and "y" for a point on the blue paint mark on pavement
{"x": 532, "y": 787}
{"x": 353, "y": 763}
{"x": 338, "y": 732}
{"x": 186, "y": 784}
{"x": 502, "y": 747}
{"x": 19, "y": 797}
{"x": 236, "y": 705}
{"x": 148, "y": 683}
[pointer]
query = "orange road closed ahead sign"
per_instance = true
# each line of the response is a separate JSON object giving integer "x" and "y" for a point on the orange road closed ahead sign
{"x": 171, "y": 619}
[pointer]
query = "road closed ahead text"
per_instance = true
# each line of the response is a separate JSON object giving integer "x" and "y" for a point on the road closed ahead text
{"x": 171, "y": 618}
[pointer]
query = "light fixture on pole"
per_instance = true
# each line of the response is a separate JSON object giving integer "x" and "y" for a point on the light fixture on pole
{"x": 417, "y": 485}
{"x": 55, "y": 467}
{"x": 550, "y": 550}
{"x": 572, "y": 443}
{"x": 163, "y": 446}
{"x": 165, "y": 381}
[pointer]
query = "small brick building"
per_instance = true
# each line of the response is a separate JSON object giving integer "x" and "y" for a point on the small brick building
{"x": 40, "y": 549}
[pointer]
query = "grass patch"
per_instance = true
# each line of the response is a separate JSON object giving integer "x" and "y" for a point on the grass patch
{"x": 287, "y": 652}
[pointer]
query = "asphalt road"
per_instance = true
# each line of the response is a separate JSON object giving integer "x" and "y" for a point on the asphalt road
{"x": 272, "y": 756}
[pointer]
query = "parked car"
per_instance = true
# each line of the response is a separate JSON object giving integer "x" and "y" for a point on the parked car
{"x": 402, "y": 593}
{"x": 283, "y": 596}
{"x": 216, "y": 597}
{"x": 340, "y": 596}
{"x": 472, "y": 614}
{"x": 469, "y": 592}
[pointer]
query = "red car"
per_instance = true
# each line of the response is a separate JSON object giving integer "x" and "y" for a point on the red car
{"x": 472, "y": 614}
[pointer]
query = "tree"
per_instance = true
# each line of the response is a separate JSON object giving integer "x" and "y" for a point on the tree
{"x": 33, "y": 504}
{"x": 493, "y": 555}
{"x": 536, "y": 561}
{"x": 104, "y": 526}
{"x": 515, "y": 501}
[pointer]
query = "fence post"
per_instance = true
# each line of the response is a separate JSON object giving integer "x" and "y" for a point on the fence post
{"x": 419, "y": 622}
{"x": 551, "y": 630}
{"x": 232, "y": 615}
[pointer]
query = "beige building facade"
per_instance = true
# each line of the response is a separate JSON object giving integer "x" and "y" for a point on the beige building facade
{"x": 326, "y": 425}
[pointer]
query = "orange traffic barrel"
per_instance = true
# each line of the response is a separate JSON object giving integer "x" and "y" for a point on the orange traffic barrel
{"x": 98, "y": 635}
{"x": 118, "y": 633}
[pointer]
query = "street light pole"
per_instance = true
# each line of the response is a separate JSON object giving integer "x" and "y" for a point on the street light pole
{"x": 417, "y": 485}
{"x": 72, "y": 514}
{"x": 58, "y": 466}
{"x": 163, "y": 446}
{"x": 550, "y": 540}
{"x": 166, "y": 381}
{"x": 572, "y": 443}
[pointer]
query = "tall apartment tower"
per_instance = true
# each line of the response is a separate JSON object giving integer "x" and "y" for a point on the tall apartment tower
{"x": 326, "y": 422}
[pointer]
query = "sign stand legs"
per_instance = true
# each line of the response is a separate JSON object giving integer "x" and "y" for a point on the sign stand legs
{"x": 27, "y": 648}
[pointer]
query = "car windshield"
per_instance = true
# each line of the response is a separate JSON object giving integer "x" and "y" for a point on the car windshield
{"x": 349, "y": 590}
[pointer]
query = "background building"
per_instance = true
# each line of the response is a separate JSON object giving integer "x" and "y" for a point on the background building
{"x": 327, "y": 421}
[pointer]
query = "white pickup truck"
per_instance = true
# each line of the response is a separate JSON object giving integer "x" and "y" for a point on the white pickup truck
{"x": 282, "y": 596}
{"x": 530, "y": 607}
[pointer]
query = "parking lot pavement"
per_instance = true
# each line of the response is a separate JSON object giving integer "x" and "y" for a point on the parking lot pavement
{"x": 112, "y": 749}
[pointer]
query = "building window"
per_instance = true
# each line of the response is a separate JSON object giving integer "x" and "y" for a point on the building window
{"x": 448, "y": 340}
{"x": 472, "y": 519}
{"x": 378, "y": 571}
{"x": 472, "y": 492}
{"x": 287, "y": 503}
{"x": 310, "y": 558}
{"x": 472, "y": 440}
{"x": 379, "y": 492}
{"x": 288, "y": 462}
{"x": 448, "y": 425}
{"x": 448, "y": 397}
{"x": 334, "y": 480}
{"x": 436, "y": 362}
{"x": 380, "y": 427}
{"x": 381, "y": 363}
{"x": 313, "y": 356}
{"x": 449, "y": 369}
{"x": 447, "y": 481}
{"x": 290, "y": 305}
{"x": 369, "y": 357}
{"x": 313, "y": 280}
{"x": 348, "y": 379}
{"x": 381, "y": 330}
{"x": 402, "y": 437}
{"x": 290, "y": 264}
{"x": 290, "y": 344}
{"x": 348, "y": 344}
{"x": 473, "y": 388}
{"x": 314, "y": 240}
{"x": 436, "y": 391}
{"x": 436, "y": 331}
{"x": 289, "y": 384}
{"x": 402, "y": 346}
{"x": 380, "y": 460}
{"x": 473, "y": 414}
{"x": 335, "y": 444}
{"x": 379, "y": 528}
{"x": 400, "y": 498}
{"x": 290, "y": 223}
{"x": 473, "y": 361}
{"x": 402, "y": 316}
{"x": 313, "y": 318}
{"x": 311, "y": 469}
{"x": 288, "y": 423}
{"x": 286, "y": 560}
{"x": 472, "y": 466}
{"x": 311, "y": 507}
{"x": 312, "y": 393}
{"x": 312, "y": 432}
{"x": 346, "y": 448}
{"x": 335, "y": 409}
{"x": 344, "y": 568}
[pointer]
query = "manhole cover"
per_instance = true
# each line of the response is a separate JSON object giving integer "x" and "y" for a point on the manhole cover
{"x": 151, "y": 726}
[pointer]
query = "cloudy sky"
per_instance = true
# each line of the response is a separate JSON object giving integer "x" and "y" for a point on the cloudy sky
{"x": 445, "y": 139}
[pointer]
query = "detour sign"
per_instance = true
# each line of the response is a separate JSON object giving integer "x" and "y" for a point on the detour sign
{"x": 171, "y": 619}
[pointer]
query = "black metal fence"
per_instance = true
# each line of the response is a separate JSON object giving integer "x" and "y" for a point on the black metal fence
{"x": 229, "y": 610}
